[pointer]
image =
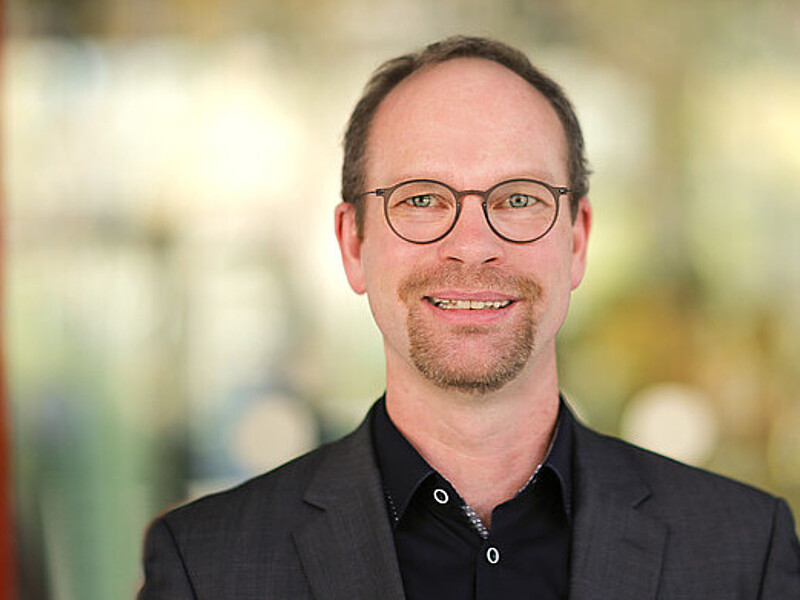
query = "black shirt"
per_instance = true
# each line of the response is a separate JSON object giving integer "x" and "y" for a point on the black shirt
{"x": 443, "y": 549}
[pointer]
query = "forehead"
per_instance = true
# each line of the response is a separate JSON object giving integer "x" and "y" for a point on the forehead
{"x": 469, "y": 122}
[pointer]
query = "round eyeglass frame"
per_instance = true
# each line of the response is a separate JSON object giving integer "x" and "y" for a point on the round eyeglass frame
{"x": 385, "y": 193}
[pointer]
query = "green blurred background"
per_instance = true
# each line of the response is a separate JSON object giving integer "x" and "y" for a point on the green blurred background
{"x": 176, "y": 318}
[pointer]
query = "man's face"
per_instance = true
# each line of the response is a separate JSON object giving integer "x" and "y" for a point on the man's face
{"x": 470, "y": 312}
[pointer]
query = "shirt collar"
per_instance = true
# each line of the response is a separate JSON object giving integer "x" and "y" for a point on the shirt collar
{"x": 403, "y": 470}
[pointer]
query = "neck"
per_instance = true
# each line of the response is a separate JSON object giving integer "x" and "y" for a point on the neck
{"x": 486, "y": 446}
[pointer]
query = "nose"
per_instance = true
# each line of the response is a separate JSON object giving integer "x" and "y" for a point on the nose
{"x": 471, "y": 241}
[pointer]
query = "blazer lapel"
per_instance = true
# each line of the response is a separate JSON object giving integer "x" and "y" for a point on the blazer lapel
{"x": 616, "y": 549}
{"x": 346, "y": 547}
{"x": 347, "y": 550}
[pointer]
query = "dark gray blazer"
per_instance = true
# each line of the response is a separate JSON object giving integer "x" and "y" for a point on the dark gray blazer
{"x": 645, "y": 527}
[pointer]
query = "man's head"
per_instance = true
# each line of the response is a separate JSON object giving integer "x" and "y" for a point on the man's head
{"x": 393, "y": 72}
{"x": 471, "y": 310}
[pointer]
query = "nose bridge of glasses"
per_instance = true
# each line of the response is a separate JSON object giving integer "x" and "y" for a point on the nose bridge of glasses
{"x": 481, "y": 196}
{"x": 460, "y": 195}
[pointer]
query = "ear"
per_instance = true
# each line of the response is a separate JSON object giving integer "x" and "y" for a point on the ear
{"x": 580, "y": 240}
{"x": 350, "y": 246}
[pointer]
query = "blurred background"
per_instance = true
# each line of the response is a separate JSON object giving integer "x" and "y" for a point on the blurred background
{"x": 175, "y": 317}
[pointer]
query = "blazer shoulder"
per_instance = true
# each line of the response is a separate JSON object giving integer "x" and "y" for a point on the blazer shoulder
{"x": 275, "y": 496}
{"x": 224, "y": 538}
{"x": 708, "y": 523}
{"x": 673, "y": 483}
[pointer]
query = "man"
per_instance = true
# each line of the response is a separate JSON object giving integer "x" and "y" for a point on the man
{"x": 465, "y": 221}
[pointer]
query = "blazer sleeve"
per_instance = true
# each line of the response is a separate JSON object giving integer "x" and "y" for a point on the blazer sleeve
{"x": 782, "y": 569}
{"x": 165, "y": 576}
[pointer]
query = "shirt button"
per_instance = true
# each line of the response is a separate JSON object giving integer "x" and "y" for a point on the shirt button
{"x": 440, "y": 496}
{"x": 493, "y": 555}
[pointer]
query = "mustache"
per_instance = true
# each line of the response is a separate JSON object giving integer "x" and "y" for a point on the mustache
{"x": 469, "y": 278}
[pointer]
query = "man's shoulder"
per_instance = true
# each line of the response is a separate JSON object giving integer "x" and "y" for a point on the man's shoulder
{"x": 275, "y": 497}
{"x": 289, "y": 479}
{"x": 712, "y": 536}
{"x": 673, "y": 485}
{"x": 222, "y": 537}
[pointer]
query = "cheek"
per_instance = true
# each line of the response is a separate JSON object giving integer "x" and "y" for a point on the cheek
{"x": 387, "y": 259}
{"x": 384, "y": 271}
{"x": 552, "y": 267}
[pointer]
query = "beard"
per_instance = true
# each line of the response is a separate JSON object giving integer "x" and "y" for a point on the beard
{"x": 474, "y": 359}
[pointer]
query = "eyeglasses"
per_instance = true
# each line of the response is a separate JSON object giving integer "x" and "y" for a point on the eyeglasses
{"x": 423, "y": 211}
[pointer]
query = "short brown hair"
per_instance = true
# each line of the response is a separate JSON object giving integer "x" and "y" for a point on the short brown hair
{"x": 394, "y": 71}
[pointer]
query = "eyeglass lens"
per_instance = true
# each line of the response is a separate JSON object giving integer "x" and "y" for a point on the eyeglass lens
{"x": 518, "y": 210}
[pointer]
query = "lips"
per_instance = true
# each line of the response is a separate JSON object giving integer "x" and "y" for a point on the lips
{"x": 468, "y": 294}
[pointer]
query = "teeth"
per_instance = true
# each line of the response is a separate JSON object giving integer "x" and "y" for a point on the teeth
{"x": 470, "y": 304}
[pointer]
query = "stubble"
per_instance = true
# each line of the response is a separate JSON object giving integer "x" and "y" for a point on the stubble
{"x": 471, "y": 359}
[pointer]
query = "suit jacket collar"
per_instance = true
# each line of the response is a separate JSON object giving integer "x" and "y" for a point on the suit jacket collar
{"x": 616, "y": 547}
{"x": 346, "y": 547}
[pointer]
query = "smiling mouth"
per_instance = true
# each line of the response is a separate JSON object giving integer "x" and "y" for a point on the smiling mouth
{"x": 447, "y": 304}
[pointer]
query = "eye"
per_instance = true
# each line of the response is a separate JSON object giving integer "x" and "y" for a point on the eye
{"x": 420, "y": 197}
{"x": 421, "y": 201}
{"x": 521, "y": 200}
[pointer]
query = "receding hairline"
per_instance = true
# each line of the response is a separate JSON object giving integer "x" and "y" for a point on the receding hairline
{"x": 393, "y": 96}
